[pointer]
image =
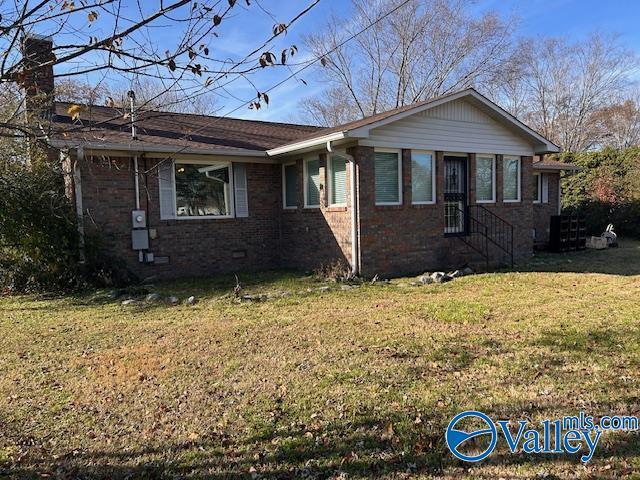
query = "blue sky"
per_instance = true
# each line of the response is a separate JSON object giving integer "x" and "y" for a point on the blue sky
{"x": 569, "y": 18}
{"x": 250, "y": 26}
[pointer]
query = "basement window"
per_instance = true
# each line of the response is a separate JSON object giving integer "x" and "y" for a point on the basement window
{"x": 203, "y": 190}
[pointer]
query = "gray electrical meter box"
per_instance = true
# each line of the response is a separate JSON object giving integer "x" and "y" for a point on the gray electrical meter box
{"x": 139, "y": 218}
{"x": 140, "y": 239}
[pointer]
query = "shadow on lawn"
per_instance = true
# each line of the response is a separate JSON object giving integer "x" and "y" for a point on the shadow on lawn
{"x": 624, "y": 260}
{"x": 362, "y": 450}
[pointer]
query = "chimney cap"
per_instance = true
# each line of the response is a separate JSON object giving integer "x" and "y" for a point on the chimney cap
{"x": 36, "y": 36}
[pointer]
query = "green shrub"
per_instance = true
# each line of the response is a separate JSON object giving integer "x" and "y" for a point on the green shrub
{"x": 605, "y": 190}
{"x": 39, "y": 240}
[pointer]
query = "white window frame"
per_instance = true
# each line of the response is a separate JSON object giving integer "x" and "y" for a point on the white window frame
{"x": 493, "y": 177}
{"x": 538, "y": 175}
{"x": 284, "y": 188}
{"x": 305, "y": 176}
{"x": 399, "y": 152}
{"x": 229, "y": 196}
{"x": 342, "y": 155}
{"x": 433, "y": 178}
{"x": 518, "y": 180}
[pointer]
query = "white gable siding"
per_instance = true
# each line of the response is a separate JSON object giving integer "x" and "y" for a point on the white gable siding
{"x": 455, "y": 126}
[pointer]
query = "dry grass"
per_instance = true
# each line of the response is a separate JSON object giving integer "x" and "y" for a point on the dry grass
{"x": 355, "y": 383}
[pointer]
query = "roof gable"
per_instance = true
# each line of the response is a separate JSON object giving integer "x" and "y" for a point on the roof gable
{"x": 361, "y": 128}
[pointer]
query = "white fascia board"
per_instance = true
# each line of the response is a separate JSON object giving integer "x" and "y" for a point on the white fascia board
{"x": 311, "y": 142}
{"x": 146, "y": 148}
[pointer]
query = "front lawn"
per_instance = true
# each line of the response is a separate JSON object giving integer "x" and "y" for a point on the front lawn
{"x": 339, "y": 383}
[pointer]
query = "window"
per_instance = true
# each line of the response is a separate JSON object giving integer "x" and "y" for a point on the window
{"x": 423, "y": 180}
{"x": 337, "y": 180}
{"x": 485, "y": 178}
{"x": 312, "y": 183}
{"x": 202, "y": 190}
{"x": 537, "y": 188}
{"x": 511, "y": 179}
{"x": 290, "y": 185}
{"x": 387, "y": 177}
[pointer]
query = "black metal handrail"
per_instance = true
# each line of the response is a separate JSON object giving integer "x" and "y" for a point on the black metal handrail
{"x": 492, "y": 228}
{"x": 498, "y": 231}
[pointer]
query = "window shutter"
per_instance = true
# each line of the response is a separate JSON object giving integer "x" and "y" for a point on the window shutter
{"x": 313, "y": 182}
{"x": 545, "y": 188}
{"x": 338, "y": 180}
{"x": 240, "y": 187}
{"x": 291, "y": 185}
{"x": 166, "y": 190}
{"x": 386, "y": 177}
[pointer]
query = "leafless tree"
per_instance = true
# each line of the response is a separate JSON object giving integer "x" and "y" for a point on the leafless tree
{"x": 619, "y": 123}
{"x": 560, "y": 88}
{"x": 424, "y": 49}
{"x": 116, "y": 42}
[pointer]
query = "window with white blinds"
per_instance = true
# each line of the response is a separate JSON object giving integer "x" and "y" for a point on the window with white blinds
{"x": 337, "y": 180}
{"x": 202, "y": 190}
{"x": 312, "y": 183}
{"x": 423, "y": 180}
{"x": 290, "y": 185}
{"x": 387, "y": 178}
{"x": 511, "y": 179}
{"x": 485, "y": 178}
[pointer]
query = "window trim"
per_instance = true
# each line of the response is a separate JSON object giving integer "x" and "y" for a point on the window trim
{"x": 342, "y": 155}
{"x": 229, "y": 197}
{"x": 433, "y": 178}
{"x": 493, "y": 177}
{"x": 397, "y": 151}
{"x": 538, "y": 187}
{"x": 518, "y": 179}
{"x": 305, "y": 175}
{"x": 284, "y": 187}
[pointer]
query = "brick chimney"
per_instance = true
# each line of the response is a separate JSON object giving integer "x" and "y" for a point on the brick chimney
{"x": 37, "y": 82}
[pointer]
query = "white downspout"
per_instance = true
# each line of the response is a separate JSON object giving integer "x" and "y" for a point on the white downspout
{"x": 355, "y": 254}
{"x": 77, "y": 191}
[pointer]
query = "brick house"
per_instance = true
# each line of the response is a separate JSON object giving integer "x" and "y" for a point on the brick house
{"x": 437, "y": 184}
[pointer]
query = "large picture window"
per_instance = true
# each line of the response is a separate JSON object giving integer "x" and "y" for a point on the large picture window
{"x": 485, "y": 178}
{"x": 388, "y": 187}
{"x": 290, "y": 185}
{"x": 312, "y": 183}
{"x": 337, "y": 180}
{"x": 203, "y": 190}
{"x": 511, "y": 179}
{"x": 423, "y": 179}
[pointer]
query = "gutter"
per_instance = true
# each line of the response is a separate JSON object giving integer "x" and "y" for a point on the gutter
{"x": 312, "y": 142}
{"x": 142, "y": 148}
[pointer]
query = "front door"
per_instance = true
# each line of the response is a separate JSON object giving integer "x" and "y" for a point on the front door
{"x": 455, "y": 194}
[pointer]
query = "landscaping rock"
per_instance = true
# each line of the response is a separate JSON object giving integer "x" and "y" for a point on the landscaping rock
{"x": 346, "y": 287}
{"x": 436, "y": 276}
{"x": 173, "y": 300}
{"x": 414, "y": 284}
{"x": 456, "y": 274}
{"x": 441, "y": 277}
{"x": 324, "y": 288}
{"x": 425, "y": 279}
{"x": 254, "y": 298}
{"x": 130, "y": 301}
{"x": 467, "y": 271}
{"x": 153, "y": 297}
{"x": 191, "y": 300}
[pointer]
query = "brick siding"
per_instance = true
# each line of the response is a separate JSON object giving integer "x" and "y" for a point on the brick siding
{"x": 542, "y": 212}
{"x": 393, "y": 239}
